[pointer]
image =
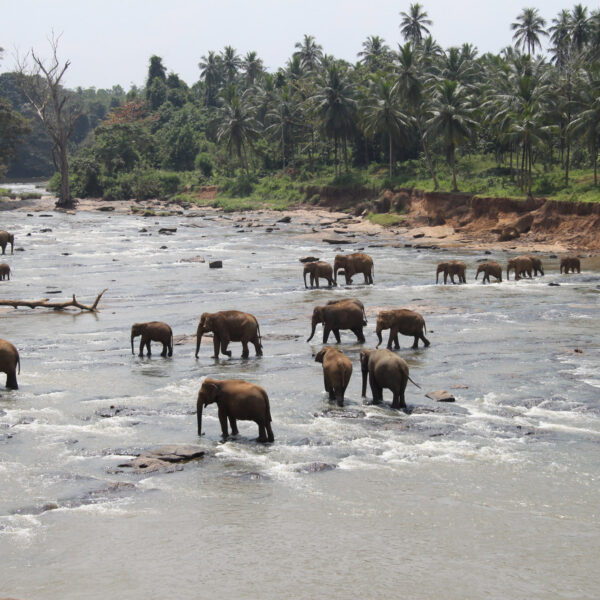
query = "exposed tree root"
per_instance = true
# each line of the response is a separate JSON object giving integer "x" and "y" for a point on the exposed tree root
{"x": 45, "y": 303}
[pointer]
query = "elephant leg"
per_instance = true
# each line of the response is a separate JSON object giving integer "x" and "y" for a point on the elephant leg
{"x": 424, "y": 339}
{"x": 270, "y": 436}
{"x": 257, "y": 346}
{"x": 11, "y": 380}
{"x": 326, "y": 331}
{"x": 328, "y": 387}
{"x": 393, "y": 338}
{"x": 223, "y": 421}
{"x": 317, "y": 281}
{"x": 375, "y": 390}
{"x": 336, "y": 333}
{"x": 224, "y": 344}
{"x": 148, "y": 350}
{"x": 398, "y": 400}
{"x": 245, "y": 351}
{"x": 415, "y": 343}
{"x": 262, "y": 433}
{"x": 357, "y": 331}
{"x": 233, "y": 425}
{"x": 164, "y": 350}
{"x": 142, "y": 343}
{"x": 216, "y": 345}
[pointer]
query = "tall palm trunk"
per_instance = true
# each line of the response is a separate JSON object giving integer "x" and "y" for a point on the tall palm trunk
{"x": 390, "y": 153}
{"x": 436, "y": 185}
{"x": 453, "y": 164}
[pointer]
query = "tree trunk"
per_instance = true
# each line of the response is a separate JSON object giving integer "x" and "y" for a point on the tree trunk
{"x": 453, "y": 163}
{"x": 65, "y": 199}
{"x": 436, "y": 185}
{"x": 390, "y": 153}
{"x": 567, "y": 161}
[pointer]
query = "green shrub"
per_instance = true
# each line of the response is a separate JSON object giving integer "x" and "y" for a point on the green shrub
{"x": 203, "y": 163}
{"x": 169, "y": 183}
{"x": 239, "y": 187}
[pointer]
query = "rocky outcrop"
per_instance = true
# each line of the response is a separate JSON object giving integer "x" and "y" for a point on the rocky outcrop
{"x": 165, "y": 459}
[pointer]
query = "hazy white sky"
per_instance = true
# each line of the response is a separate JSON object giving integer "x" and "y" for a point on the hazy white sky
{"x": 110, "y": 41}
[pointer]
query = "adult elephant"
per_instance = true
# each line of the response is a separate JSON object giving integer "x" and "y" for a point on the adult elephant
{"x": 351, "y": 301}
{"x": 337, "y": 370}
{"x": 5, "y": 239}
{"x": 404, "y": 321}
{"x": 318, "y": 269}
{"x": 341, "y": 315}
{"x": 521, "y": 265}
{"x": 153, "y": 331}
{"x": 353, "y": 264}
{"x": 236, "y": 400}
{"x": 570, "y": 263}
{"x": 9, "y": 361}
{"x": 385, "y": 370}
{"x": 230, "y": 326}
{"x": 536, "y": 264}
{"x": 491, "y": 267}
{"x": 4, "y": 271}
{"x": 452, "y": 268}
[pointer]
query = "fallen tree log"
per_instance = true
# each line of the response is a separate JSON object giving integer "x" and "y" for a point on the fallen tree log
{"x": 45, "y": 303}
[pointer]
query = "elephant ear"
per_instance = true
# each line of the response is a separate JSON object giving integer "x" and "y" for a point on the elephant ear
{"x": 210, "y": 391}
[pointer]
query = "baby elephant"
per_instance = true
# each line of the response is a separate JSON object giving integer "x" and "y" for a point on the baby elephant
{"x": 154, "y": 331}
{"x": 337, "y": 370}
{"x": 491, "y": 267}
{"x": 9, "y": 361}
{"x": 236, "y": 399}
{"x": 452, "y": 268}
{"x": 570, "y": 263}
{"x": 4, "y": 272}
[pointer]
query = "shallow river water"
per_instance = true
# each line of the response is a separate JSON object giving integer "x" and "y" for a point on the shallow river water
{"x": 494, "y": 496}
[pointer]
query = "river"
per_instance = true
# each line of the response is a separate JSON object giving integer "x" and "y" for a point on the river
{"x": 496, "y": 495}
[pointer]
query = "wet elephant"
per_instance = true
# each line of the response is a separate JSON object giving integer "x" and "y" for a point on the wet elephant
{"x": 5, "y": 239}
{"x": 230, "y": 326}
{"x": 318, "y": 270}
{"x": 452, "y": 268}
{"x": 4, "y": 271}
{"x": 403, "y": 321}
{"x": 337, "y": 370}
{"x": 153, "y": 331}
{"x": 341, "y": 315}
{"x": 570, "y": 263}
{"x": 521, "y": 265}
{"x": 9, "y": 361}
{"x": 488, "y": 268}
{"x": 536, "y": 264}
{"x": 353, "y": 264}
{"x": 351, "y": 301}
{"x": 385, "y": 369}
{"x": 236, "y": 400}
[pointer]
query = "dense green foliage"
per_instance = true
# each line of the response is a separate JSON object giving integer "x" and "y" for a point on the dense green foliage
{"x": 508, "y": 124}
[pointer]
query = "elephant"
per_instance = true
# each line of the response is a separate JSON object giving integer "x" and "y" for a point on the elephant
{"x": 9, "y": 360}
{"x": 404, "y": 321}
{"x": 230, "y": 326}
{"x": 236, "y": 399}
{"x": 352, "y": 264}
{"x": 337, "y": 370}
{"x": 5, "y": 239}
{"x": 452, "y": 268}
{"x": 351, "y": 301}
{"x": 4, "y": 271}
{"x": 521, "y": 265}
{"x": 537, "y": 265}
{"x": 318, "y": 269}
{"x": 340, "y": 315}
{"x": 386, "y": 370}
{"x": 488, "y": 268}
{"x": 570, "y": 263}
{"x": 154, "y": 331}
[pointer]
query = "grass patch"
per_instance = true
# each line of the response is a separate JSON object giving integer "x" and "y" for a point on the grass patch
{"x": 386, "y": 219}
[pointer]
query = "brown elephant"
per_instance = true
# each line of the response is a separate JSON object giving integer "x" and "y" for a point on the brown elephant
{"x": 385, "y": 370}
{"x": 537, "y": 265}
{"x": 337, "y": 369}
{"x": 9, "y": 361}
{"x": 521, "y": 265}
{"x": 4, "y": 271}
{"x": 488, "y": 268}
{"x": 353, "y": 264}
{"x": 316, "y": 270}
{"x": 5, "y": 239}
{"x": 230, "y": 326}
{"x": 452, "y": 268}
{"x": 340, "y": 315}
{"x": 153, "y": 331}
{"x": 570, "y": 263}
{"x": 404, "y": 321}
{"x": 351, "y": 301}
{"x": 236, "y": 399}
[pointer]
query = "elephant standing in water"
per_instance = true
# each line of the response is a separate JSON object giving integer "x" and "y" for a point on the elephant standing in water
{"x": 404, "y": 321}
{"x": 351, "y": 301}
{"x": 4, "y": 272}
{"x": 236, "y": 399}
{"x": 570, "y": 263}
{"x": 5, "y": 239}
{"x": 318, "y": 269}
{"x": 521, "y": 265}
{"x": 9, "y": 361}
{"x": 536, "y": 264}
{"x": 337, "y": 370}
{"x": 153, "y": 331}
{"x": 340, "y": 315}
{"x": 353, "y": 264}
{"x": 230, "y": 326}
{"x": 488, "y": 268}
{"x": 385, "y": 370}
{"x": 452, "y": 268}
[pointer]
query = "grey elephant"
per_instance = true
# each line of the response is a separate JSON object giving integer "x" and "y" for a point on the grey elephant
{"x": 153, "y": 331}
{"x": 4, "y": 271}
{"x": 230, "y": 326}
{"x": 318, "y": 270}
{"x": 537, "y": 265}
{"x": 521, "y": 265}
{"x": 358, "y": 262}
{"x": 385, "y": 370}
{"x": 490, "y": 267}
{"x": 452, "y": 268}
{"x": 570, "y": 263}
{"x": 341, "y": 315}
{"x": 5, "y": 239}
{"x": 404, "y": 321}
{"x": 337, "y": 370}
{"x": 236, "y": 400}
{"x": 351, "y": 301}
{"x": 9, "y": 361}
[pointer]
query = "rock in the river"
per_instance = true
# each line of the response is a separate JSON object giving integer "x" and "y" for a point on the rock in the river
{"x": 194, "y": 259}
{"x": 315, "y": 467}
{"x": 165, "y": 459}
{"x": 167, "y": 230}
{"x": 106, "y": 208}
{"x": 307, "y": 259}
{"x": 337, "y": 242}
{"x": 285, "y": 220}
{"x": 441, "y": 396}
{"x": 216, "y": 264}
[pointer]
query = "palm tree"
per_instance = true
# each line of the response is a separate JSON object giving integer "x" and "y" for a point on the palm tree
{"x": 309, "y": 52}
{"x": 336, "y": 108}
{"x": 528, "y": 28}
{"x": 282, "y": 118}
{"x": 414, "y": 23}
{"x": 451, "y": 120}
{"x": 580, "y": 27}
{"x": 210, "y": 71}
{"x": 560, "y": 36}
{"x": 231, "y": 63}
{"x": 384, "y": 114}
{"x": 374, "y": 53}
{"x": 253, "y": 67}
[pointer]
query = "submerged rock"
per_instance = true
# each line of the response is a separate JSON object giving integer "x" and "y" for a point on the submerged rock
{"x": 315, "y": 467}
{"x": 440, "y": 396}
{"x": 193, "y": 259}
{"x": 216, "y": 264}
{"x": 164, "y": 459}
{"x": 306, "y": 259}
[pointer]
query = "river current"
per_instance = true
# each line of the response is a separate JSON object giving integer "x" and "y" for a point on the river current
{"x": 496, "y": 495}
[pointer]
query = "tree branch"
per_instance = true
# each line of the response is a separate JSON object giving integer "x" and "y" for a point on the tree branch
{"x": 45, "y": 303}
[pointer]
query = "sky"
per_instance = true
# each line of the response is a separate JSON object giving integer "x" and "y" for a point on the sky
{"x": 110, "y": 41}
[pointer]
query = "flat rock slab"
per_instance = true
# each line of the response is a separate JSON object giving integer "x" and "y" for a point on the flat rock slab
{"x": 193, "y": 259}
{"x": 440, "y": 396}
{"x": 167, "y": 230}
{"x": 164, "y": 459}
{"x": 307, "y": 259}
{"x": 216, "y": 264}
{"x": 316, "y": 467}
{"x": 332, "y": 241}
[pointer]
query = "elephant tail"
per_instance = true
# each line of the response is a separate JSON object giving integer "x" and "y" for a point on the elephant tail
{"x": 19, "y": 362}
{"x": 413, "y": 382}
{"x": 267, "y": 408}
{"x": 259, "y": 336}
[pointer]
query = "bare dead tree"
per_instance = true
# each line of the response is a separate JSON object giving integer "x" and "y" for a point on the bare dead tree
{"x": 40, "y": 81}
{"x": 45, "y": 303}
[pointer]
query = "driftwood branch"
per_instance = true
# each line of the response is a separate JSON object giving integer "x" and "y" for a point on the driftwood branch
{"x": 45, "y": 303}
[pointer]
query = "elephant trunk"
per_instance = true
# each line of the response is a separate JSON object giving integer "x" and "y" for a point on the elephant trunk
{"x": 199, "y": 417}
{"x": 198, "y": 340}
{"x": 379, "y": 338}
{"x": 477, "y": 274}
{"x": 437, "y": 274}
{"x": 305, "y": 279}
{"x": 132, "y": 336}
{"x": 364, "y": 382}
{"x": 314, "y": 327}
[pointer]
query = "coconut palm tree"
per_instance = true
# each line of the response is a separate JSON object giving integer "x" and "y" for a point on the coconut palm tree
{"x": 528, "y": 28}
{"x": 231, "y": 63}
{"x": 414, "y": 23}
{"x": 282, "y": 118}
{"x": 451, "y": 120}
{"x": 560, "y": 36}
{"x": 580, "y": 27}
{"x": 375, "y": 53}
{"x": 211, "y": 72}
{"x": 309, "y": 52}
{"x": 253, "y": 67}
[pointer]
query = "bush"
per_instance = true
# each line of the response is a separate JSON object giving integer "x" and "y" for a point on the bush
{"x": 203, "y": 163}
{"x": 169, "y": 183}
{"x": 241, "y": 186}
